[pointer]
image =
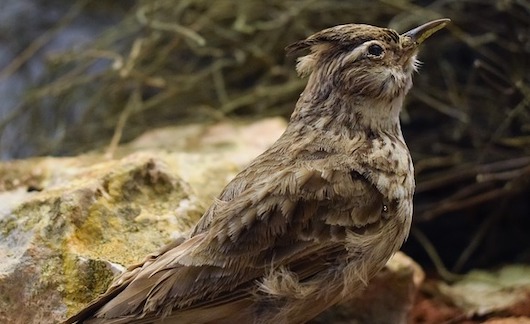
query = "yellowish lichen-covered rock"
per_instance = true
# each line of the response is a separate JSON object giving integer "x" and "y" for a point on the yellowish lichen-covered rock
{"x": 59, "y": 243}
{"x": 68, "y": 225}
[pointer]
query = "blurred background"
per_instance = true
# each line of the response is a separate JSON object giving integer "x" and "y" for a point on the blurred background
{"x": 75, "y": 74}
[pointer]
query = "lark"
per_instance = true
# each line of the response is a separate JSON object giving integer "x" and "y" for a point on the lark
{"x": 309, "y": 221}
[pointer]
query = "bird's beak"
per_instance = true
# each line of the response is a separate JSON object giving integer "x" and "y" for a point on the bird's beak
{"x": 421, "y": 33}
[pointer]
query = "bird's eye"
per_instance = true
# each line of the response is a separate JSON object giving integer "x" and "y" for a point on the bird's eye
{"x": 375, "y": 50}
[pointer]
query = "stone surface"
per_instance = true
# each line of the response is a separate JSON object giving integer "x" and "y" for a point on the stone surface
{"x": 64, "y": 238}
{"x": 68, "y": 225}
{"x": 388, "y": 299}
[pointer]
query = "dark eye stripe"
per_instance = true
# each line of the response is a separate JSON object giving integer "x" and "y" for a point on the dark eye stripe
{"x": 393, "y": 35}
{"x": 353, "y": 44}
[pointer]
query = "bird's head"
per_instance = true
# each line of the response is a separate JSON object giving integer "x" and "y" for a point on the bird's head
{"x": 362, "y": 60}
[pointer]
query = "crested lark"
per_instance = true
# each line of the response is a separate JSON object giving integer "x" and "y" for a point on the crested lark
{"x": 311, "y": 220}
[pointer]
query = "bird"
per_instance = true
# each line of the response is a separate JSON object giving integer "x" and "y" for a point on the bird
{"x": 310, "y": 221}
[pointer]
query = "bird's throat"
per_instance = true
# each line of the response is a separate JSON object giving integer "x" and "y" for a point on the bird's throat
{"x": 339, "y": 113}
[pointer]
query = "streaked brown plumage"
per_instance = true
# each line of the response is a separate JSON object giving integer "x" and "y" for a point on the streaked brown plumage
{"x": 312, "y": 219}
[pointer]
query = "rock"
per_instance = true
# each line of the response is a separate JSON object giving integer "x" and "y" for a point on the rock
{"x": 388, "y": 299}
{"x": 64, "y": 239}
{"x": 68, "y": 225}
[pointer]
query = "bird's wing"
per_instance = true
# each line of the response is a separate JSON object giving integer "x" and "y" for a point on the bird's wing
{"x": 297, "y": 217}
